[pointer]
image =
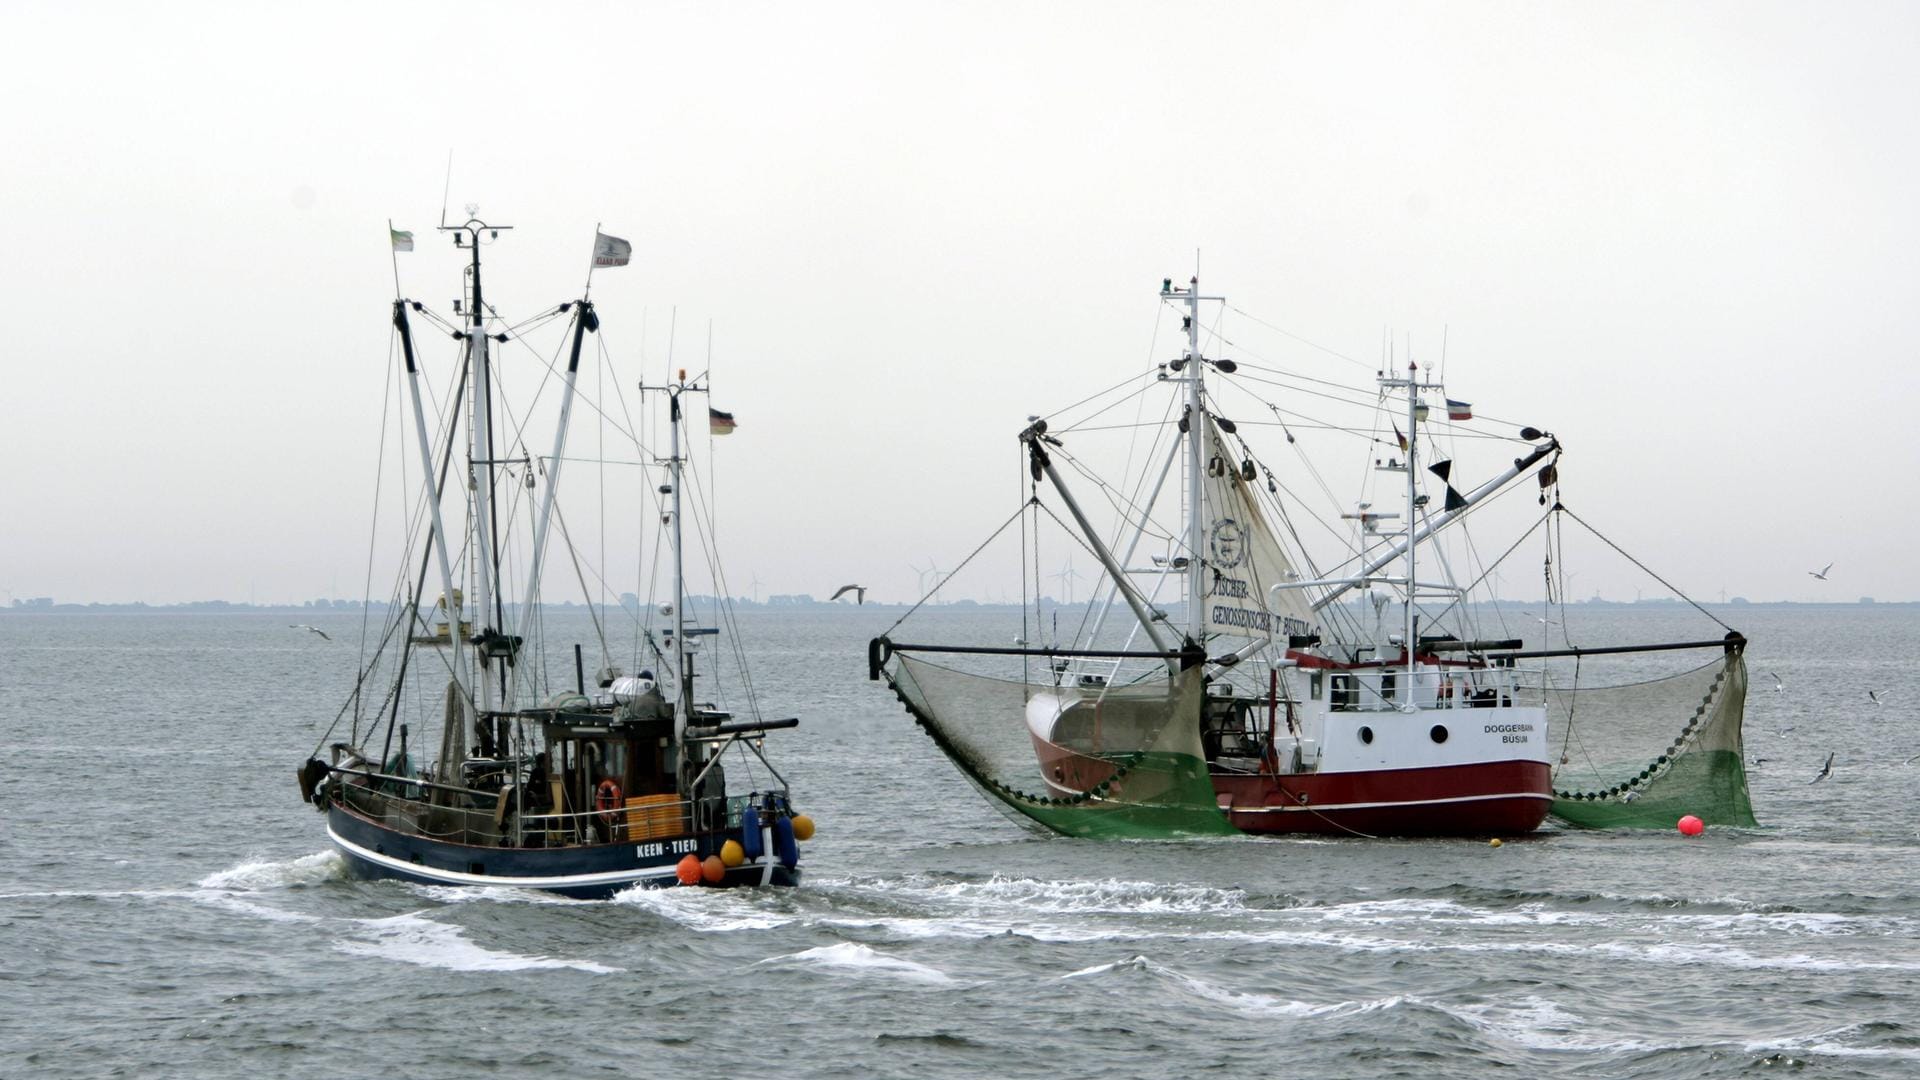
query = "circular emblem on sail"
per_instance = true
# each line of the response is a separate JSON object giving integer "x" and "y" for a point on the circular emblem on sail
{"x": 1229, "y": 543}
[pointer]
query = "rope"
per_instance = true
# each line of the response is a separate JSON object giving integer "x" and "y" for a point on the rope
{"x": 1643, "y": 567}
{"x": 963, "y": 565}
{"x": 1495, "y": 565}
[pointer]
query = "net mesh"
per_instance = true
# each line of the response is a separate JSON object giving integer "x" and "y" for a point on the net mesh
{"x": 1139, "y": 768}
{"x": 1647, "y": 753}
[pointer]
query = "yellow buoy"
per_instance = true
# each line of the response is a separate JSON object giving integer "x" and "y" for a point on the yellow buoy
{"x": 732, "y": 854}
{"x": 802, "y": 827}
{"x": 1495, "y": 842}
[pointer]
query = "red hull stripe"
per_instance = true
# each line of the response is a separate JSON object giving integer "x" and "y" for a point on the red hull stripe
{"x": 1402, "y": 804}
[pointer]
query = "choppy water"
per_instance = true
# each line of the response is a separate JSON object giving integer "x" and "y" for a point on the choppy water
{"x": 168, "y": 906}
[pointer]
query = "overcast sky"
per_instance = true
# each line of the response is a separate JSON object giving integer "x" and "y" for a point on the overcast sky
{"x": 1683, "y": 237}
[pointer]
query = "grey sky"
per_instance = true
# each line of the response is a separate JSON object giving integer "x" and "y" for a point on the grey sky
{"x": 1683, "y": 237}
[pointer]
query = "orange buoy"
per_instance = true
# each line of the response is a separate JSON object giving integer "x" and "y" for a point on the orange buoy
{"x": 732, "y": 854}
{"x": 1692, "y": 826}
{"x": 689, "y": 870}
{"x": 713, "y": 870}
{"x": 802, "y": 827}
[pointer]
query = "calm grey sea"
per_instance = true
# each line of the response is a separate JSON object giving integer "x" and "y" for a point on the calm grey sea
{"x": 168, "y": 906}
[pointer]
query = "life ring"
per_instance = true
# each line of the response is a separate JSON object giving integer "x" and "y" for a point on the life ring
{"x": 606, "y": 799}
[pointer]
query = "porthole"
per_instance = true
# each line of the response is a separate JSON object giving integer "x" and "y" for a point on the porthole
{"x": 1439, "y": 733}
{"x": 1366, "y": 735}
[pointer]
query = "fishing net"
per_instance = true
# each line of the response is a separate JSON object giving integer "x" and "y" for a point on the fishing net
{"x": 1132, "y": 767}
{"x": 1647, "y": 753}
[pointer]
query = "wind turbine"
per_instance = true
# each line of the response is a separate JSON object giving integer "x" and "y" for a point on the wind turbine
{"x": 1066, "y": 577}
{"x": 932, "y": 570}
{"x": 756, "y": 588}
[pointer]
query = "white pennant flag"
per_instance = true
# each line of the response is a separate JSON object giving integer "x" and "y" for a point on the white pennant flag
{"x": 610, "y": 250}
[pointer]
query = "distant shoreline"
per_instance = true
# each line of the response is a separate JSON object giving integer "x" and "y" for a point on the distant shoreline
{"x": 337, "y": 607}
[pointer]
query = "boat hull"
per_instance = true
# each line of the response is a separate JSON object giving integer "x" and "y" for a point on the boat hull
{"x": 590, "y": 872}
{"x": 1499, "y": 798}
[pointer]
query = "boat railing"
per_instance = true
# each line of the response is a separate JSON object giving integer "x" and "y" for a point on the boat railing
{"x": 641, "y": 818}
{"x": 1393, "y": 689}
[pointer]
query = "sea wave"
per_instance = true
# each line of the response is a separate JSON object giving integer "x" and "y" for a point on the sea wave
{"x": 413, "y": 938}
{"x": 854, "y": 957}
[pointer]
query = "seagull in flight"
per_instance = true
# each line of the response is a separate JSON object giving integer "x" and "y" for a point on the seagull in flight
{"x": 1875, "y": 698}
{"x": 315, "y": 629}
{"x": 1783, "y": 731}
{"x": 1825, "y": 771}
{"x": 1778, "y": 686}
{"x": 859, "y": 593}
{"x": 1911, "y": 760}
{"x": 1822, "y": 572}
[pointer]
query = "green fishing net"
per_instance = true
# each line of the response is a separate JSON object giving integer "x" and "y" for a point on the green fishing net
{"x": 1133, "y": 763}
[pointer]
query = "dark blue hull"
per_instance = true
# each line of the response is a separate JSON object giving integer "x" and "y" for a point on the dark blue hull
{"x": 590, "y": 872}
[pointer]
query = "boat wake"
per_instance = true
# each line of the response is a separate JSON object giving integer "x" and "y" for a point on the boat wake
{"x": 1109, "y": 897}
{"x": 418, "y": 940}
{"x": 1252, "y": 1004}
{"x": 258, "y": 875}
{"x": 854, "y": 958}
{"x": 412, "y": 938}
{"x": 707, "y": 911}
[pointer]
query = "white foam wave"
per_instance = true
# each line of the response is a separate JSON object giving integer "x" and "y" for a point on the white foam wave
{"x": 415, "y": 939}
{"x": 707, "y": 910}
{"x": 1539, "y": 1024}
{"x": 227, "y": 901}
{"x": 1824, "y": 1043}
{"x": 500, "y": 894}
{"x": 1112, "y": 896}
{"x": 859, "y": 959}
{"x": 279, "y": 874}
{"x": 1253, "y": 1004}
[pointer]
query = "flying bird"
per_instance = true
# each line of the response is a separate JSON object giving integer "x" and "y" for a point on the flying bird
{"x": 1911, "y": 760}
{"x": 315, "y": 629}
{"x": 1777, "y": 684}
{"x": 1783, "y": 731}
{"x": 859, "y": 593}
{"x": 1875, "y": 698}
{"x": 1825, "y": 771}
{"x": 1822, "y": 572}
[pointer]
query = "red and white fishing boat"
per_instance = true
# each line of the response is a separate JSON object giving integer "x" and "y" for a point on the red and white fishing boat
{"x": 1345, "y": 695}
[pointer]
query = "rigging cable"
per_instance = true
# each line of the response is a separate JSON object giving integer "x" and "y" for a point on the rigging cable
{"x": 1596, "y": 532}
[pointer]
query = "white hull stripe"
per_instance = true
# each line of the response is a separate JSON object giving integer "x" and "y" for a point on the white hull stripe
{"x": 454, "y": 877}
{"x": 1407, "y": 804}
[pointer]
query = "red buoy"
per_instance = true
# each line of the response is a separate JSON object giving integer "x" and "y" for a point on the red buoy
{"x": 712, "y": 870}
{"x": 688, "y": 871}
{"x": 1692, "y": 826}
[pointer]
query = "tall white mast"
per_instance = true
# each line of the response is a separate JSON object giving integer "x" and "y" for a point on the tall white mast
{"x": 683, "y": 686}
{"x": 1196, "y": 527}
{"x": 480, "y": 470}
{"x": 1413, "y": 451}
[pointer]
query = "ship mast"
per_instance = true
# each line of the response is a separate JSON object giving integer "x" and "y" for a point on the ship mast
{"x": 1196, "y": 527}
{"x": 1412, "y": 385}
{"x": 1413, "y": 453}
{"x": 682, "y": 683}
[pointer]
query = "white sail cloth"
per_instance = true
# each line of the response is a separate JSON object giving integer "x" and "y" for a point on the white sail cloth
{"x": 1241, "y": 559}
